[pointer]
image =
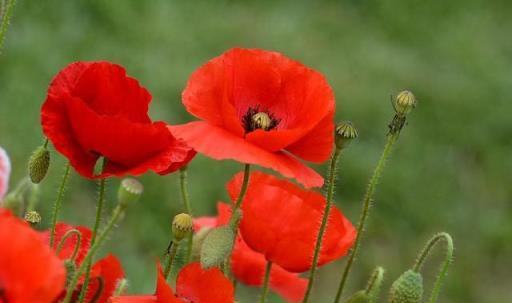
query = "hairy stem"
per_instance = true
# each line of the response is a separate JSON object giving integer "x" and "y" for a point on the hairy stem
{"x": 325, "y": 219}
{"x": 58, "y": 202}
{"x": 6, "y": 17}
{"x": 266, "y": 282}
{"x": 65, "y": 237}
{"x": 172, "y": 255}
{"x": 367, "y": 203}
{"x": 186, "y": 204}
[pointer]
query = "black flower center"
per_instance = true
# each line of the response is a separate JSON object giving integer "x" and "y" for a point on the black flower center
{"x": 255, "y": 119}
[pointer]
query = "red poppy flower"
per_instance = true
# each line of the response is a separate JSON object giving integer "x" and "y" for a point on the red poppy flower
{"x": 281, "y": 221}
{"x": 29, "y": 271}
{"x": 192, "y": 285}
{"x": 248, "y": 266}
{"x": 94, "y": 109}
{"x": 5, "y": 172}
{"x": 263, "y": 108}
{"x": 105, "y": 273}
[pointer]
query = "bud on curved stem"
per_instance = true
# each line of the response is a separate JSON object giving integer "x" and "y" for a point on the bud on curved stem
{"x": 65, "y": 238}
{"x": 444, "y": 267}
{"x": 374, "y": 284}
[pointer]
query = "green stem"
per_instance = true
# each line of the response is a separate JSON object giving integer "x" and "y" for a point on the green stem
{"x": 170, "y": 260}
{"x": 186, "y": 204}
{"x": 99, "y": 211}
{"x": 243, "y": 190}
{"x": 65, "y": 237}
{"x": 118, "y": 211}
{"x": 58, "y": 202}
{"x": 266, "y": 281}
{"x": 444, "y": 267}
{"x": 6, "y": 17}
{"x": 367, "y": 202}
{"x": 330, "y": 193}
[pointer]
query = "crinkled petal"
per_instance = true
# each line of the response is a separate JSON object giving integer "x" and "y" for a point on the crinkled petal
{"x": 197, "y": 285}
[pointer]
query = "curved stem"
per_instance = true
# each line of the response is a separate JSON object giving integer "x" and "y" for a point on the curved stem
{"x": 186, "y": 204}
{"x": 58, "y": 202}
{"x": 65, "y": 237}
{"x": 99, "y": 211}
{"x": 367, "y": 201}
{"x": 170, "y": 260}
{"x": 330, "y": 193}
{"x": 243, "y": 190}
{"x": 266, "y": 281}
{"x": 444, "y": 267}
{"x": 118, "y": 211}
{"x": 6, "y": 17}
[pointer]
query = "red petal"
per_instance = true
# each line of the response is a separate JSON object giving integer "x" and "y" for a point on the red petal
{"x": 164, "y": 293}
{"x": 203, "y": 286}
{"x": 29, "y": 270}
{"x": 133, "y": 299}
{"x": 220, "y": 144}
{"x": 280, "y": 218}
{"x": 109, "y": 271}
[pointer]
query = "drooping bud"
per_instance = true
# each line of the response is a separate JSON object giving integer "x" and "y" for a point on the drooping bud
{"x": 181, "y": 226}
{"x": 38, "y": 164}
{"x": 408, "y": 288}
{"x": 404, "y": 102}
{"x": 359, "y": 297}
{"x": 129, "y": 192}
{"x": 217, "y": 246}
{"x": 345, "y": 133}
{"x": 33, "y": 217}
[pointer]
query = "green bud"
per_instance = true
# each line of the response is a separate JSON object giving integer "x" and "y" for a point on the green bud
{"x": 197, "y": 242}
{"x": 408, "y": 288}
{"x": 359, "y": 297}
{"x": 129, "y": 192}
{"x": 344, "y": 134}
{"x": 38, "y": 164}
{"x": 404, "y": 102}
{"x": 70, "y": 270}
{"x": 33, "y": 217}
{"x": 217, "y": 246}
{"x": 181, "y": 226}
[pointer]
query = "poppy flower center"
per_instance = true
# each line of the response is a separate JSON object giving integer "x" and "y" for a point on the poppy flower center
{"x": 255, "y": 119}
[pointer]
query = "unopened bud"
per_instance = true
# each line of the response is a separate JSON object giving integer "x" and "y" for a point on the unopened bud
{"x": 129, "y": 192}
{"x": 345, "y": 133}
{"x": 404, "y": 102}
{"x": 38, "y": 164}
{"x": 217, "y": 246}
{"x": 408, "y": 288}
{"x": 181, "y": 226}
{"x": 33, "y": 217}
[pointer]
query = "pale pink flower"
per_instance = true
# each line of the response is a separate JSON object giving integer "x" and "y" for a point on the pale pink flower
{"x": 5, "y": 172}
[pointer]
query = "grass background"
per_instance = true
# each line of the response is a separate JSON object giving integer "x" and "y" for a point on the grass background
{"x": 450, "y": 170}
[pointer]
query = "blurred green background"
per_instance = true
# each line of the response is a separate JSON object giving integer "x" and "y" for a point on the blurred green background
{"x": 450, "y": 170}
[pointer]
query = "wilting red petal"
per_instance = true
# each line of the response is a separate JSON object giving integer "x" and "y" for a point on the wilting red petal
{"x": 298, "y": 99}
{"x": 195, "y": 284}
{"x": 5, "y": 172}
{"x": 29, "y": 270}
{"x": 105, "y": 276}
{"x": 221, "y": 144}
{"x": 282, "y": 221}
{"x": 94, "y": 109}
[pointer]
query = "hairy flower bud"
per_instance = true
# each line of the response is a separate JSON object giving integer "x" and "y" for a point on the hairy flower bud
{"x": 38, "y": 164}
{"x": 181, "y": 226}
{"x": 217, "y": 246}
{"x": 404, "y": 102}
{"x": 344, "y": 134}
{"x": 129, "y": 192}
{"x": 33, "y": 217}
{"x": 408, "y": 288}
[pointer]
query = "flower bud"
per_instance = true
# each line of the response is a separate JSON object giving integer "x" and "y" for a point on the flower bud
{"x": 404, "y": 102}
{"x": 217, "y": 246}
{"x": 408, "y": 288}
{"x": 197, "y": 242}
{"x": 129, "y": 192}
{"x": 38, "y": 164}
{"x": 181, "y": 226}
{"x": 344, "y": 134}
{"x": 359, "y": 297}
{"x": 33, "y": 217}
